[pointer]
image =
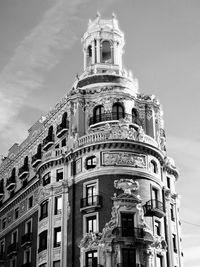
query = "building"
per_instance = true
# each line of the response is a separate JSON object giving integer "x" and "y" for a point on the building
{"x": 92, "y": 184}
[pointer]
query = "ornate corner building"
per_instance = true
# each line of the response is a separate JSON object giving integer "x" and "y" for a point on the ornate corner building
{"x": 92, "y": 185}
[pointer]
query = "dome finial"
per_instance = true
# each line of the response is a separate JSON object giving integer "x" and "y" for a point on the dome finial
{"x": 113, "y": 15}
{"x": 98, "y": 15}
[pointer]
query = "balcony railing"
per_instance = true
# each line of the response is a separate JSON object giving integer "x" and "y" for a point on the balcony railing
{"x": 12, "y": 249}
{"x": 10, "y": 184}
{"x": 62, "y": 128}
{"x": 23, "y": 171}
{"x": 93, "y": 201}
{"x": 26, "y": 240}
{"x": 36, "y": 159}
{"x": 28, "y": 264}
{"x": 154, "y": 207}
{"x": 129, "y": 232}
{"x": 48, "y": 142}
{"x": 114, "y": 116}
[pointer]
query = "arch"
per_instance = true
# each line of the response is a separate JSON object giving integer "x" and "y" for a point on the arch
{"x": 106, "y": 52}
{"x": 98, "y": 113}
{"x": 153, "y": 166}
{"x": 117, "y": 111}
{"x": 89, "y": 55}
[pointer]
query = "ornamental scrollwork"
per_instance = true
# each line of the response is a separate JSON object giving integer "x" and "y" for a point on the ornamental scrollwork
{"x": 127, "y": 185}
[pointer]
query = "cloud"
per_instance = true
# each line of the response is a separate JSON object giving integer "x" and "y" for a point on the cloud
{"x": 37, "y": 53}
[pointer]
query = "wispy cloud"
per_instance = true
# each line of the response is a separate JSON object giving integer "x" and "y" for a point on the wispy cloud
{"x": 37, "y": 53}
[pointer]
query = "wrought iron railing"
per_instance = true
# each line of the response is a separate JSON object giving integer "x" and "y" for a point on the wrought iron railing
{"x": 129, "y": 232}
{"x": 154, "y": 204}
{"x": 95, "y": 200}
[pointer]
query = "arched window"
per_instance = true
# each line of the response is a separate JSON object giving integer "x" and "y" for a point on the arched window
{"x": 117, "y": 111}
{"x": 106, "y": 54}
{"x": 134, "y": 115}
{"x": 89, "y": 55}
{"x": 153, "y": 166}
{"x": 64, "y": 119}
{"x": 98, "y": 113}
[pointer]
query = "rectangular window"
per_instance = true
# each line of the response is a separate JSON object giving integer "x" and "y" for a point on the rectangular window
{"x": 127, "y": 224}
{"x": 13, "y": 262}
{"x": 44, "y": 210}
{"x": 157, "y": 228}
{"x": 174, "y": 243}
{"x": 128, "y": 257}
{"x": 56, "y": 264}
{"x": 42, "y": 241}
{"x": 58, "y": 205}
{"x": 172, "y": 212}
{"x": 91, "y": 224}
{"x": 16, "y": 213}
{"x": 4, "y": 223}
{"x": 57, "y": 236}
{"x": 28, "y": 226}
{"x": 27, "y": 255}
{"x": 14, "y": 237}
{"x": 159, "y": 261}
{"x": 154, "y": 193}
{"x": 91, "y": 194}
{"x": 59, "y": 175}
{"x": 168, "y": 183}
{"x": 30, "y": 202}
{"x": 63, "y": 142}
{"x": 47, "y": 179}
{"x": 91, "y": 258}
{"x": 2, "y": 246}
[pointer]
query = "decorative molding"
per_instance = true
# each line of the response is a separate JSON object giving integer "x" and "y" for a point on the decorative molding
{"x": 127, "y": 185}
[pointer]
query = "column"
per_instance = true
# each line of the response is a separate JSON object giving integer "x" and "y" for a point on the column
{"x": 108, "y": 259}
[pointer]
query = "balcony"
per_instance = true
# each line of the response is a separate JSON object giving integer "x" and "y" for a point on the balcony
{"x": 26, "y": 240}
{"x": 23, "y": 172}
{"x": 28, "y": 264}
{"x": 154, "y": 207}
{"x": 36, "y": 159}
{"x": 12, "y": 249}
{"x": 114, "y": 116}
{"x": 132, "y": 232}
{"x": 62, "y": 128}
{"x": 10, "y": 183}
{"x": 48, "y": 142}
{"x": 91, "y": 203}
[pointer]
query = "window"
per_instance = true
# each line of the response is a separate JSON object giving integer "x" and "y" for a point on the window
{"x": 2, "y": 246}
{"x": 14, "y": 237}
{"x": 98, "y": 114}
{"x": 135, "y": 116}
{"x": 44, "y": 210}
{"x": 174, "y": 243}
{"x": 91, "y": 224}
{"x": 16, "y": 213}
{"x": 4, "y": 223}
{"x": 91, "y": 194}
{"x": 58, "y": 205}
{"x": 127, "y": 224}
{"x": 13, "y": 262}
{"x": 157, "y": 228}
{"x": 159, "y": 261}
{"x": 153, "y": 166}
{"x": 117, "y": 111}
{"x": 154, "y": 193}
{"x": 28, "y": 226}
{"x": 57, "y": 236}
{"x": 30, "y": 202}
{"x": 172, "y": 212}
{"x": 59, "y": 175}
{"x": 63, "y": 142}
{"x": 43, "y": 265}
{"x": 91, "y": 162}
{"x": 47, "y": 179}
{"x": 27, "y": 255}
{"x": 168, "y": 183}
{"x": 128, "y": 257}
{"x": 42, "y": 241}
{"x": 91, "y": 258}
{"x": 56, "y": 264}
{"x": 89, "y": 55}
{"x": 106, "y": 54}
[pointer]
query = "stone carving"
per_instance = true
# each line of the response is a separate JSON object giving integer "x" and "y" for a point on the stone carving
{"x": 159, "y": 244}
{"x": 149, "y": 113}
{"x": 90, "y": 241}
{"x": 23, "y": 206}
{"x": 127, "y": 185}
{"x": 124, "y": 158}
{"x": 78, "y": 166}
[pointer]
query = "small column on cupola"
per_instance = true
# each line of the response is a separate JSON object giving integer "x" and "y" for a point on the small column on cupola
{"x": 103, "y": 46}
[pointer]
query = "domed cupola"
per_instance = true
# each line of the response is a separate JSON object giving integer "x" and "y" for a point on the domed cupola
{"x": 103, "y": 46}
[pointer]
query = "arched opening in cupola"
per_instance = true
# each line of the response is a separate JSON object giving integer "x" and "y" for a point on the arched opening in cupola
{"x": 89, "y": 55}
{"x": 106, "y": 52}
{"x": 117, "y": 111}
{"x": 98, "y": 113}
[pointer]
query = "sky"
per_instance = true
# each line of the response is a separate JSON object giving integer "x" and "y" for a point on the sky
{"x": 41, "y": 54}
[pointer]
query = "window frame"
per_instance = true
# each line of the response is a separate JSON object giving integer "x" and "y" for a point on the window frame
{"x": 57, "y": 243}
{"x": 58, "y": 171}
{"x": 27, "y": 227}
{"x": 85, "y": 218}
{"x": 42, "y": 213}
{"x": 25, "y": 255}
{"x": 92, "y": 164}
{"x": 30, "y": 200}
{"x": 12, "y": 236}
{"x": 46, "y": 179}
{"x": 56, "y": 210}
{"x": 16, "y": 213}
{"x": 42, "y": 239}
